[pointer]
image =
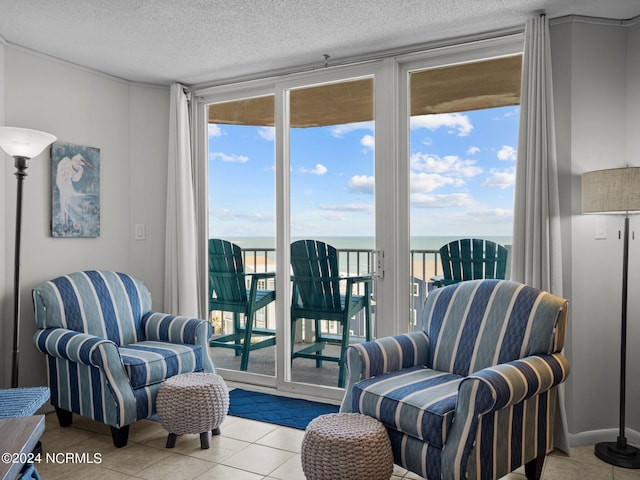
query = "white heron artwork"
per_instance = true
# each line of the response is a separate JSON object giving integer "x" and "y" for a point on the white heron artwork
{"x": 76, "y": 191}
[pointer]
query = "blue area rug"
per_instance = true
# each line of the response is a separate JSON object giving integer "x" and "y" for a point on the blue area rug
{"x": 264, "y": 407}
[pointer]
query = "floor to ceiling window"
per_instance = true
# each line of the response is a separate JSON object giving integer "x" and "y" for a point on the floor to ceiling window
{"x": 332, "y": 187}
{"x": 463, "y": 132}
{"x": 298, "y": 157}
{"x": 241, "y": 207}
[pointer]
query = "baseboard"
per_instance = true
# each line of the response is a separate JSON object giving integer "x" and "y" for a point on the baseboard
{"x": 606, "y": 435}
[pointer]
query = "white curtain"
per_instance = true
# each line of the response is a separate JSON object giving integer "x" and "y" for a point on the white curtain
{"x": 536, "y": 228}
{"x": 181, "y": 273}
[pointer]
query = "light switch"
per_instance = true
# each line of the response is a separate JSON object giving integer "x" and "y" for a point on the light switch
{"x": 140, "y": 233}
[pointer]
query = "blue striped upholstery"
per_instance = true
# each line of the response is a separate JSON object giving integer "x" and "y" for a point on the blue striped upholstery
{"x": 417, "y": 401}
{"x": 147, "y": 363}
{"x": 474, "y": 395}
{"x": 107, "y": 352}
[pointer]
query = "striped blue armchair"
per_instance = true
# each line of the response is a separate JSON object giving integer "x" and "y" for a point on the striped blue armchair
{"x": 474, "y": 395}
{"x": 107, "y": 353}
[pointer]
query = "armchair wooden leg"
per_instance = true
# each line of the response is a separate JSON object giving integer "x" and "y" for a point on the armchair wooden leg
{"x": 533, "y": 468}
{"x": 120, "y": 436}
{"x": 65, "y": 417}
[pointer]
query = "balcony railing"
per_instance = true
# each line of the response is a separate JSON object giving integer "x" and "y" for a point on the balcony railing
{"x": 424, "y": 264}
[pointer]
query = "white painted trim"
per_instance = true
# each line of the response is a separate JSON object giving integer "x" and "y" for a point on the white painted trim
{"x": 595, "y": 20}
{"x": 592, "y": 437}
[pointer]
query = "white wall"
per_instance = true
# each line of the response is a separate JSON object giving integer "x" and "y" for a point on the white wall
{"x": 149, "y": 125}
{"x": 592, "y": 81}
{"x": 5, "y": 323}
{"x": 129, "y": 124}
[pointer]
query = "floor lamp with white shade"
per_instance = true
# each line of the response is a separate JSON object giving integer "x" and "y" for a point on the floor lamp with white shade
{"x": 616, "y": 190}
{"x": 22, "y": 144}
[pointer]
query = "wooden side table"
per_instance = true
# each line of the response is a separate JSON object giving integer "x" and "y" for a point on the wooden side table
{"x": 18, "y": 436}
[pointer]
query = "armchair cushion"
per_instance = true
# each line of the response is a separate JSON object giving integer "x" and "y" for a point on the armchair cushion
{"x": 417, "y": 401}
{"x": 150, "y": 362}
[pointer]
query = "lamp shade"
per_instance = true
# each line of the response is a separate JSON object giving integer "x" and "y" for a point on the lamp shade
{"x": 615, "y": 190}
{"x": 24, "y": 142}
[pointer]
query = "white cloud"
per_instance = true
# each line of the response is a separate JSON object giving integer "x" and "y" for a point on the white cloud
{"x": 448, "y": 165}
{"x": 214, "y": 130}
{"x": 509, "y": 113}
{"x": 347, "y": 207}
{"x": 456, "y": 122}
{"x": 428, "y": 182}
{"x": 267, "y": 133}
{"x": 368, "y": 141}
{"x": 362, "y": 184}
{"x": 507, "y": 153}
{"x": 319, "y": 169}
{"x": 341, "y": 130}
{"x": 473, "y": 150}
{"x": 500, "y": 179}
{"x": 229, "y": 158}
{"x": 423, "y": 200}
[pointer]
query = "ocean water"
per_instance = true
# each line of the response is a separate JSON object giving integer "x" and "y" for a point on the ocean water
{"x": 367, "y": 243}
{"x": 423, "y": 266}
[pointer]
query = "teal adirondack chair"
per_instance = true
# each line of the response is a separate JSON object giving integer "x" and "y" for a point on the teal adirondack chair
{"x": 228, "y": 292}
{"x": 317, "y": 296}
{"x": 471, "y": 259}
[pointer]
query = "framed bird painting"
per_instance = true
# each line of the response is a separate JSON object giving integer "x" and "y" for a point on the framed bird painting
{"x": 75, "y": 188}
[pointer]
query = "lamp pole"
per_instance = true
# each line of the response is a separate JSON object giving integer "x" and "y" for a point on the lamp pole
{"x": 21, "y": 144}
{"x": 619, "y": 452}
{"x": 21, "y": 164}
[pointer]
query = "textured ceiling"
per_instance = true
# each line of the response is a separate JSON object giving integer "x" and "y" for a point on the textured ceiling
{"x": 196, "y": 41}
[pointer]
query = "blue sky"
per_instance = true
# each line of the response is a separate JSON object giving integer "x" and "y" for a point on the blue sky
{"x": 462, "y": 171}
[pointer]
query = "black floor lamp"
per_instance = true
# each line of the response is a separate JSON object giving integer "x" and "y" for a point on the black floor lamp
{"x": 616, "y": 190}
{"x": 22, "y": 144}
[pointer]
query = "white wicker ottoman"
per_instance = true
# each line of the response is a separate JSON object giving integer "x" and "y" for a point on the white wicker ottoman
{"x": 192, "y": 403}
{"x": 346, "y": 446}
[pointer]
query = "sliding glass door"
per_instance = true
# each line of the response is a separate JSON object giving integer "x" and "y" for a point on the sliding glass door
{"x": 371, "y": 159}
{"x": 241, "y": 211}
{"x": 331, "y": 147}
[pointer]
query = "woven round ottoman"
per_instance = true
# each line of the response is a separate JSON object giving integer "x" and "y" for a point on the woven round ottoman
{"x": 192, "y": 403}
{"x": 346, "y": 446}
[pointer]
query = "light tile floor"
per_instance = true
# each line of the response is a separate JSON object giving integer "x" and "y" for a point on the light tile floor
{"x": 246, "y": 450}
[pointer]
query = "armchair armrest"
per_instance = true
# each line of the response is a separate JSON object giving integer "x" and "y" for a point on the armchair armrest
{"x": 95, "y": 352}
{"x": 358, "y": 278}
{"x": 512, "y": 382}
{"x": 255, "y": 277}
{"x": 261, "y": 275}
{"x": 384, "y": 355}
{"x": 492, "y": 389}
{"x": 73, "y": 346}
{"x": 163, "y": 327}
